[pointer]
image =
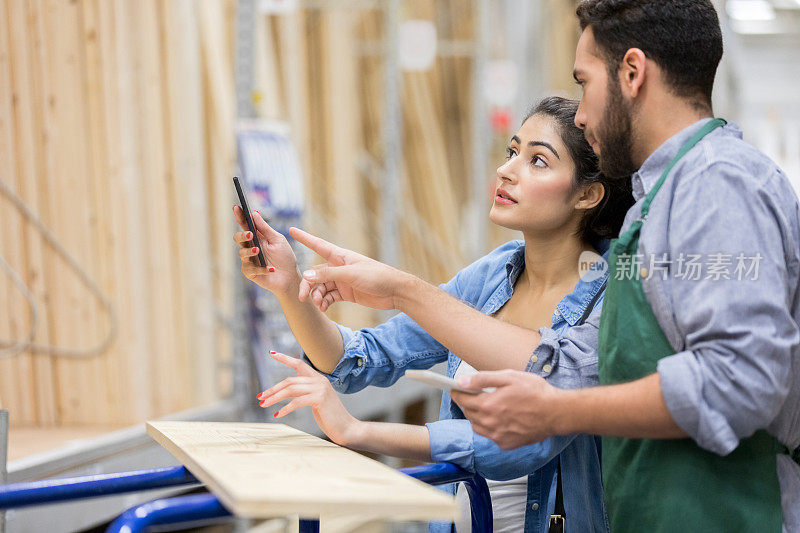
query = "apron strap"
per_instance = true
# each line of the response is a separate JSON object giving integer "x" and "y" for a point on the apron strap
{"x": 696, "y": 138}
{"x": 795, "y": 455}
{"x": 592, "y": 303}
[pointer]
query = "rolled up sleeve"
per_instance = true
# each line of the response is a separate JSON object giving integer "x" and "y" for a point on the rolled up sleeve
{"x": 569, "y": 361}
{"x": 732, "y": 376}
{"x": 379, "y": 356}
{"x": 454, "y": 441}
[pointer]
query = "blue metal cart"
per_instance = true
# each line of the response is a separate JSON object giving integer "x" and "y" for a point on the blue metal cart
{"x": 192, "y": 509}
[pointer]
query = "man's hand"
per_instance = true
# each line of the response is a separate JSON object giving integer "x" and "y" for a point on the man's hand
{"x": 520, "y": 411}
{"x": 347, "y": 276}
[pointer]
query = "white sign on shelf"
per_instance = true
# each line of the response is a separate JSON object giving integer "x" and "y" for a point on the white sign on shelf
{"x": 417, "y": 46}
{"x": 502, "y": 82}
{"x": 278, "y": 7}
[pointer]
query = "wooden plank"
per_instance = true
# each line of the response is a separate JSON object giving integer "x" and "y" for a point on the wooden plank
{"x": 343, "y": 136}
{"x": 12, "y": 395}
{"x": 28, "y": 133}
{"x": 316, "y": 194}
{"x": 148, "y": 79}
{"x": 266, "y": 84}
{"x": 294, "y": 59}
{"x": 563, "y": 35}
{"x": 121, "y": 56}
{"x": 191, "y": 270}
{"x": 454, "y": 19}
{"x": 14, "y": 250}
{"x": 111, "y": 386}
{"x": 219, "y": 112}
{"x": 19, "y": 313}
{"x": 42, "y": 77}
{"x": 270, "y": 470}
{"x": 371, "y": 89}
{"x": 71, "y": 215}
{"x": 93, "y": 253}
{"x": 427, "y": 158}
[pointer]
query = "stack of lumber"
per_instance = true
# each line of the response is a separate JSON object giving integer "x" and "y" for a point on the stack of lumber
{"x": 324, "y": 75}
{"x": 116, "y": 130}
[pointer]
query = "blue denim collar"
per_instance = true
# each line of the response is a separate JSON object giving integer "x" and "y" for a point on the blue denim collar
{"x": 515, "y": 264}
{"x": 573, "y": 305}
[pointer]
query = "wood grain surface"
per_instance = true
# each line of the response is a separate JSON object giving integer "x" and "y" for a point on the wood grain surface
{"x": 269, "y": 470}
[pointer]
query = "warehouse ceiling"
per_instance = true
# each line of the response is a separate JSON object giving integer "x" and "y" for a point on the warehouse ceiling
{"x": 765, "y": 17}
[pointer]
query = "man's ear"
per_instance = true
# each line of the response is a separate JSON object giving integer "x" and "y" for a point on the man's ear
{"x": 632, "y": 72}
{"x": 591, "y": 196}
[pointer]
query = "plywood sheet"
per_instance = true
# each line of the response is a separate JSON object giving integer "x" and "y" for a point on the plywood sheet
{"x": 269, "y": 470}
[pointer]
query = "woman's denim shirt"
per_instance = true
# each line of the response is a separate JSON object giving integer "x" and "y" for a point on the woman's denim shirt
{"x": 379, "y": 356}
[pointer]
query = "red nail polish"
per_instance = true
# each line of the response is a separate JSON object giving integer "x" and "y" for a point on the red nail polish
{"x": 254, "y": 250}
{"x": 270, "y": 269}
{"x": 249, "y": 235}
{"x": 275, "y": 415}
{"x": 271, "y": 352}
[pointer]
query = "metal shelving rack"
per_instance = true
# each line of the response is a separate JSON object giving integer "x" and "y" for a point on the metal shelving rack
{"x": 372, "y": 402}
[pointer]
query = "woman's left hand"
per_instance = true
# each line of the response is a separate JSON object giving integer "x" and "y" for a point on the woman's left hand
{"x": 312, "y": 389}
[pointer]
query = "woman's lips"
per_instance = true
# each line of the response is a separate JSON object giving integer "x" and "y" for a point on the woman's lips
{"x": 503, "y": 198}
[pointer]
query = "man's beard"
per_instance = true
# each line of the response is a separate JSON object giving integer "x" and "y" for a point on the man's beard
{"x": 615, "y": 136}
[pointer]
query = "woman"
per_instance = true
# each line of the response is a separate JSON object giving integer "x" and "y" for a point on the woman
{"x": 550, "y": 190}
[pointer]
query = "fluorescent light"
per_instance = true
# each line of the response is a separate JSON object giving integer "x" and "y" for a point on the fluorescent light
{"x": 750, "y": 10}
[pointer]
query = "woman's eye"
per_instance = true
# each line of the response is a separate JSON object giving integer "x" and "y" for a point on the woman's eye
{"x": 510, "y": 152}
{"x": 539, "y": 162}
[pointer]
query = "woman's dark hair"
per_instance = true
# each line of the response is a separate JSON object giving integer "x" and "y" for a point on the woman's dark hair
{"x": 604, "y": 220}
{"x": 682, "y": 37}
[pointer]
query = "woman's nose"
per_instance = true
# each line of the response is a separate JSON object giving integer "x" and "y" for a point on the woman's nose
{"x": 504, "y": 172}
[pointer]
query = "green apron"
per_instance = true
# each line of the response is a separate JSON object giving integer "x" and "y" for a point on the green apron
{"x": 673, "y": 485}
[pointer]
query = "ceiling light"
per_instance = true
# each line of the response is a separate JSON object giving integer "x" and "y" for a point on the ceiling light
{"x": 750, "y": 10}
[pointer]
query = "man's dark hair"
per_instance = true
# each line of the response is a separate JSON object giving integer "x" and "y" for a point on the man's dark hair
{"x": 682, "y": 37}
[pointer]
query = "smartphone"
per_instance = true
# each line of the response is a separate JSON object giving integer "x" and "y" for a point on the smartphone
{"x": 437, "y": 380}
{"x": 248, "y": 217}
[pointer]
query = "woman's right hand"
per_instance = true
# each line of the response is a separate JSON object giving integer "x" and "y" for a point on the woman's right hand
{"x": 281, "y": 275}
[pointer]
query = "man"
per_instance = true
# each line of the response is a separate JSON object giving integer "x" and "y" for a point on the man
{"x": 713, "y": 356}
{"x": 699, "y": 344}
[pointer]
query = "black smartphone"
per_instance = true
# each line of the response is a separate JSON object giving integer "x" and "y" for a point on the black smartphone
{"x": 247, "y": 216}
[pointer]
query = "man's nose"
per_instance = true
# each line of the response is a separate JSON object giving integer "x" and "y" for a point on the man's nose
{"x": 580, "y": 116}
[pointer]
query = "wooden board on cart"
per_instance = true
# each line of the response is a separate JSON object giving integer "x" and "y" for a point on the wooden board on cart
{"x": 269, "y": 470}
